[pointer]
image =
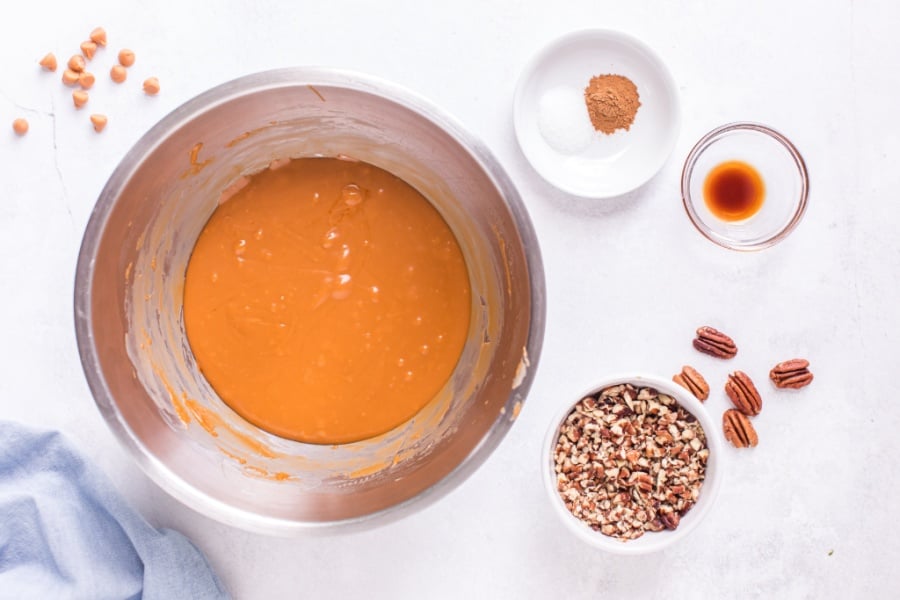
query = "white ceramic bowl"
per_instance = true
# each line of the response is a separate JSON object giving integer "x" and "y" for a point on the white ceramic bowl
{"x": 607, "y": 165}
{"x": 650, "y": 541}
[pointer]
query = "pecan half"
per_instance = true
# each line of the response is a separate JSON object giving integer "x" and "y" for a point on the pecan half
{"x": 693, "y": 381}
{"x": 792, "y": 373}
{"x": 715, "y": 343}
{"x": 738, "y": 429}
{"x": 743, "y": 394}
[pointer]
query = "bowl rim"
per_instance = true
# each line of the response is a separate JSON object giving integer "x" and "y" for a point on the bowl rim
{"x": 666, "y": 77}
{"x": 651, "y": 541}
{"x": 261, "y": 81}
{"x": 687, "y": 173}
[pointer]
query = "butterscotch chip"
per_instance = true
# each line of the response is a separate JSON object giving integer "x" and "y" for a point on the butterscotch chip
{"x": 118, "y": 73}
{"x": 79, "y": 98}
{"x": 76, "y": 63}
{"x": 88, "y": 49}
{"x": 99, "y": 122}
{"x": 691, "y": 379}
{"x": 48, "y": 63}
{"x": 126, "y": 57}
{"x": 98, "y": 36}
{"x": 151, "y": 86}
{"x": 20, "y": 126}
{"x": 86, "y": 80}
{"x": 70, "y": 77}
{"x": 738, "y": 429}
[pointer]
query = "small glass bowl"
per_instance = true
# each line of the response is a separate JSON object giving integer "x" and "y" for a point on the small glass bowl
{"x": 783, "y": 172}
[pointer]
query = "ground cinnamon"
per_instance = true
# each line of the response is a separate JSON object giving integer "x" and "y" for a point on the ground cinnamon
{"x": 612, "y": 102}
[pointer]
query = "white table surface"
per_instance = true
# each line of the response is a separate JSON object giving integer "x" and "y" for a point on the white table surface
{"x": 810, "y": 513}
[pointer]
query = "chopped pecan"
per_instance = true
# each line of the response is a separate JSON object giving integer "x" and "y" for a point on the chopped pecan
{"x": 655, "y": 525}
{"x": 670, "y": 519}
{"x": 693, "y": 381}
{"x": 792, "y": 373}
{"x": 743, "y": 394}
{"x": 641, "y": 480}
{"x": 715, "y": 343}
{"x": 627, "y": 455}
{"x": 738, "y": 429}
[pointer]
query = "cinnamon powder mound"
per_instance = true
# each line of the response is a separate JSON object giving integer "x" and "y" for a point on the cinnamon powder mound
{"x": 612, "y": 102}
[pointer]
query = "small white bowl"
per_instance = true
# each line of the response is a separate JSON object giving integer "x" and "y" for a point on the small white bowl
{"x": 609, "y": 165}
{"x": 651, "y": 541}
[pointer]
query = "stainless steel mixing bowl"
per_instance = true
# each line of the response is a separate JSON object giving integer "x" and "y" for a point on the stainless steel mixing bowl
{"x": 130, "y": 280}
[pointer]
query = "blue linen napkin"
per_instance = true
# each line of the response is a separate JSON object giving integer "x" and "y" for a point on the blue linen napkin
{"x": 66, "y": 533}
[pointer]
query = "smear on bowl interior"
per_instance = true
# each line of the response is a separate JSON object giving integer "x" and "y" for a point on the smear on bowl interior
{"x": 326, "y": 301}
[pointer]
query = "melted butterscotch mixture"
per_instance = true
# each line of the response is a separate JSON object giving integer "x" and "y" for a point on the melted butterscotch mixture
{"x": 327, "y": 301}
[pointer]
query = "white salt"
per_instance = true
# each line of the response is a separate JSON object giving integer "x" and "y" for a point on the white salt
{"x": 563, "y": 120}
